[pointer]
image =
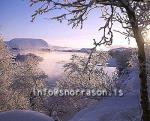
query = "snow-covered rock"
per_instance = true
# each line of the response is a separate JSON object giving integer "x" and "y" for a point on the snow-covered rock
{"x": 23, "y": 116}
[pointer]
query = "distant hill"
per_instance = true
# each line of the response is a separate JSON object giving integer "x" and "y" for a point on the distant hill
{"x": 28, "y": 56}
{"x": 27, "y": 43}
{"x": 17, "y": 44}
{"x": 68, "y": 49}
{"x": 85, "y": 50}
{"x": 59, "y": 48}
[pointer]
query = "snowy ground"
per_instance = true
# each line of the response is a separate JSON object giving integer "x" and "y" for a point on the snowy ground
{"x": 23, "y": 116}
{"x": 126, "y": 108}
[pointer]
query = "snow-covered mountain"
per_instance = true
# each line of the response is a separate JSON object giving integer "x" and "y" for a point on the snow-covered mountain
{"x": 27, "y": 43}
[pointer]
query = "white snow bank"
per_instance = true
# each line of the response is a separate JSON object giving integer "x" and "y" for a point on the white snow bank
{"x": 112, "y": 109}
{"x": 132, "y": 82}
{"x": 24, "y": 116}
{"x": 126, "y": 108}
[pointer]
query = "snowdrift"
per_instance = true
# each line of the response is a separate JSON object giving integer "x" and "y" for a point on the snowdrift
{"x": 23, "y": 116}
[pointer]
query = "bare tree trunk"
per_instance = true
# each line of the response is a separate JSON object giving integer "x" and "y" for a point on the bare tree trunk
{"x": 143, "y": 78}
{"x": 142, "y": 66}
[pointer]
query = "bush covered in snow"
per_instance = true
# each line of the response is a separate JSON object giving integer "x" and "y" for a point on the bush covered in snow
{"x": 79, "y": 76}
{"x": 123, "y": 56}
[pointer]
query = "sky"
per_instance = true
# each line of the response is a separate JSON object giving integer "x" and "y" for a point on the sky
{"x": 15, "y": 22}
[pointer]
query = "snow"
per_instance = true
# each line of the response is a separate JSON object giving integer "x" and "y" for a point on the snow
{"x": 112, "y": 62}
{"x": 123, "y": 108}
{"x": 23, "y": 115}
{"x": 110, "y": 70}
{"x": 113, "y": 109}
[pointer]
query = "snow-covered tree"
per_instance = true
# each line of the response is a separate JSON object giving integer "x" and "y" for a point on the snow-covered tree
{"x": 122, "y": 56}
{"x": 6, "y": 74}
{"x": 93, "y": 77}
{"x": 18, "y": 79}
{"x": 26, "y": 78}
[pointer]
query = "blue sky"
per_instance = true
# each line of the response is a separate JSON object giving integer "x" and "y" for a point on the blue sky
{"x": 15, "y": 23}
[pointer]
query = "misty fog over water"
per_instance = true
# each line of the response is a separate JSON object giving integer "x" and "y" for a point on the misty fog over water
{"x": 53, "y": 62}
